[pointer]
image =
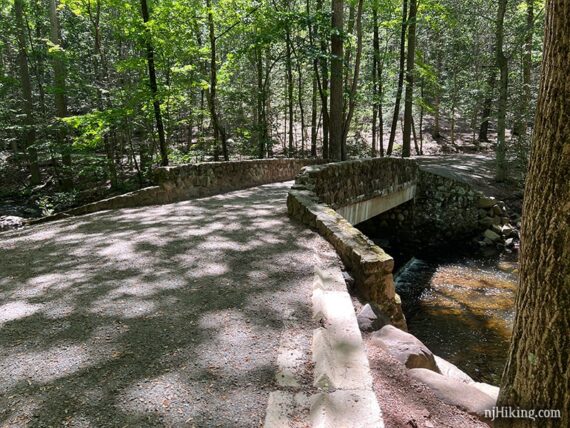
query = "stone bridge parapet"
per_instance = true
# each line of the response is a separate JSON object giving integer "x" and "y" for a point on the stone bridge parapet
{"x": 322, "y": 191}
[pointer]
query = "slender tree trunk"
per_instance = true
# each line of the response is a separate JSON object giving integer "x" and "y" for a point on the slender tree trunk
{"x": 354, "y": 81}
{"x": 375, "y": 83}
{"x": 399, "y": 89}
{"x": 502, "y": 64}
{"x": 322, "y": 73}
{"x": 537, "y": 374}
{"x": 219, "y": 131}
{"x": 100, "y": 77}
{"x": 300, "y": 98}
{"x": 154, "y": 87}
{"x": 27, "y": 99}
{"x": 289, "y": 67}
{"x": 408, "y": 108}
{"x": 59, "y": 73}
{"x": 314, "y": 114}
{"x": 487, "y": 106}
{"x": 337, "y": 99}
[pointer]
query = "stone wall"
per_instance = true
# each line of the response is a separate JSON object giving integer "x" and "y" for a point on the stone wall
{"x": 181, "y": 182}
{"x": 319, "y": 189}
{"x": 344, "y": 183}
{"x": 195, "y": 180}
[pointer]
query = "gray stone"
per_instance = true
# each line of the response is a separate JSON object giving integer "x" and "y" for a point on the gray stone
{"x": 405, "y": 348}
{"x": 371, "y": 318}
{"x": 10, "y": 222}
{"x": 486, "y": 222}
{"x": 492, "y": 236}
{"x": 456, "y": 393}
{"x": 497, "y": 229}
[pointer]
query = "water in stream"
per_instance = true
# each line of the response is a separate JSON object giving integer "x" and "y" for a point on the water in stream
{"x": 461, "y": 308}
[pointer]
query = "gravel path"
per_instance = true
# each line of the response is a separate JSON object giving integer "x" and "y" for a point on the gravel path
{"x": 160, "y": 316}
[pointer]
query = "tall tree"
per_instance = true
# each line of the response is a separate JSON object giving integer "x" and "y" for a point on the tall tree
{"x": 27, "y": 99}
{"x": 537, "y": 374}
{"x": 400, "y": 78}
{"x": 409, "y": 98}
{"x": 352, "y": 83}
{"x": 154, "y": 87}
{"x": 59, "y": 73}
{"x": 503, "y": 66}
{"x": 336, "y": 81}
{"x": 219, "y": 130}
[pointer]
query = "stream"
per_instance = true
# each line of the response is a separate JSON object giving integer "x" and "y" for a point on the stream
{"x": 461, "y": 307}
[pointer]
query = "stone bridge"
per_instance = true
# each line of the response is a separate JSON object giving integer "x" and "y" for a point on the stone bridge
{"x": 332, "y": 198}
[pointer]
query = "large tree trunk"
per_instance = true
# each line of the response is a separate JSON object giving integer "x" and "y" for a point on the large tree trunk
{"x": 399, "y": 89}
{"x": 502, "y": 65}
{"x": 537, "y": 374}
{"x": 27, "y": 100}
{"x": 408, "y": 108}
{"x": 337, "y": 99}
{"x": 154, "y": 88}
{"x": 60, "y": 101}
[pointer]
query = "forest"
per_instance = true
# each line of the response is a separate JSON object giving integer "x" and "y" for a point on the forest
{"x": 98, "y": 92}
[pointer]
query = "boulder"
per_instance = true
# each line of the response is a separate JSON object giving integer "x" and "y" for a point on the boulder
{"x": 456, "y": 393}
{"x": 491, "y": 390}
{"x": 491, "y": 236}
{"x": 371, "y": 318}
{"x": 405, "y": 348}
{"x": 452, "y": 371}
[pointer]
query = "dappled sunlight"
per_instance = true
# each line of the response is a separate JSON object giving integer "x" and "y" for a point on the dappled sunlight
{"x": 115, "y": 312}
{"x": 17, "y": 310}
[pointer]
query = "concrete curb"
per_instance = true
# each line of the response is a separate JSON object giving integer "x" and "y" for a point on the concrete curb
{"x": 341, "y": 370}
{"x": 345, "y": 397}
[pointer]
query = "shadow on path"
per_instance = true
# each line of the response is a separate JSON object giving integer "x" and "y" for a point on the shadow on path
{"x": 168, "y": 315}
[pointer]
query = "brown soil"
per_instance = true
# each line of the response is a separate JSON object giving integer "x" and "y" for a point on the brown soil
{"x": 405, "y": 402}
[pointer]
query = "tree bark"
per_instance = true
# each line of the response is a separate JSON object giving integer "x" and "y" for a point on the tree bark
{"x": 59, "y": 73}
{"x": 154, "y": 87}
{"x": 409, "y": 98}
{"x": 219, "y": 131}
{"x": 354, "y": 82}
{"x": 502, "y": 65}
{"x": 487, "y": 106}
{"x": 336, "y": 98}
{"x": 322, "y": 74}
{"x": 27, "y": 99}
{"x": 537, "y": 374}
{"x": 399, "y": 89}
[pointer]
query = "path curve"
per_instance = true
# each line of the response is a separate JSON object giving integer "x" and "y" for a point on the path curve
{"x": 167, "y": 315}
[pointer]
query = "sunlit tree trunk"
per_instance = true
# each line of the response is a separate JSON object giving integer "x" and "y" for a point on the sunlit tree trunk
{"x": 537, "y": 374}
{"x": 336, "y": 97}
{"x": 353, "y": 88}
{"x": 409, "y": 98}
{"x": 154, "y": 88}
{"x": 399, "y": 89}
{"x": 502, "y": 65}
